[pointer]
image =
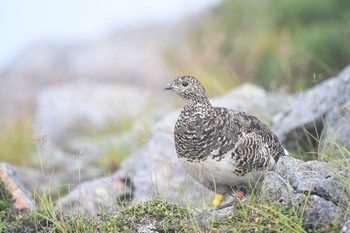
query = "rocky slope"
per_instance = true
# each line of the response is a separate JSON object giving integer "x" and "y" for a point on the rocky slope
{"x": 152, "y": 170}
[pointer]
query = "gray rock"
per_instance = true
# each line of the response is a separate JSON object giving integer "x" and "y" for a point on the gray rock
{"x": 319, "y": 213}
{"x": 338, "y": 118}
{"x": 331, "y": 187}
{"x": 52, "y": 157}
{"x": 276, "y": 189}
{"x": 304, "y": 178}
{"x": 336, "y": 139}
{"x": 287, "y": 165}
{"x": 92, "y": 147}
{"x": 103, "y": 194}
{"x": 79, "y": 108}
{"x": 205, "y": 221}
{"x": 346, "y": 227}
{"x": 58, "y": 170}
{"x": 317, "y": 189}
{"x": 56, "y": 182}
{"x": 325, "y": 106}
{"x": 147, "y": 228}
{"x": 22, "y": 200}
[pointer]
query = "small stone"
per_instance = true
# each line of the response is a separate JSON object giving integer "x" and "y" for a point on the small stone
{"x": 346, "y": 227}
{"x": 22, "y": 200}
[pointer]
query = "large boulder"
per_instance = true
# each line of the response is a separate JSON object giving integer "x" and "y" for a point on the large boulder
{"x": 93, "y": 197}
{"x": 316, "y": 189}
{"x": 81, "y": 108}
{"x": 319, "y": 115}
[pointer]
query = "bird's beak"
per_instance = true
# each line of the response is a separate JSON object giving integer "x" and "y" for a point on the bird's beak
{"x": 169, "y": 87}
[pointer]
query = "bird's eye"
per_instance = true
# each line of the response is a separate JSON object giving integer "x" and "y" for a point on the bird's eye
{"x": 184, "y": 84}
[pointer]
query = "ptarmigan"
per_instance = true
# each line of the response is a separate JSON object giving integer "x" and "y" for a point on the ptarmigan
{"x": 225, "y": 150}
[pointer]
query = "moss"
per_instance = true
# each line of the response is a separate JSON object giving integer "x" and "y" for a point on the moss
{"x": 162, "y": 216}
{"x": 5, "y": 198}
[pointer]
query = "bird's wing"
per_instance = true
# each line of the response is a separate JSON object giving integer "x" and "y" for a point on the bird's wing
{"x": 251, "y": 153}
{"x": 257, "y": 147}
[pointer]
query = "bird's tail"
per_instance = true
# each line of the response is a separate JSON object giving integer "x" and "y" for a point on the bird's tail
{"x": 286, "y": 153}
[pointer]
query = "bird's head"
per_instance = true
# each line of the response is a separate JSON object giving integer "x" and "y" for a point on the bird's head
{"x": 189, "y": 88}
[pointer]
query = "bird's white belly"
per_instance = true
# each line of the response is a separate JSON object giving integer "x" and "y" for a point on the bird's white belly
{"x": 211, "y": 172}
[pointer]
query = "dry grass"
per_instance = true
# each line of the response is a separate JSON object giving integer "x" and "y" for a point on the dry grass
{"x": 16, "y": 141}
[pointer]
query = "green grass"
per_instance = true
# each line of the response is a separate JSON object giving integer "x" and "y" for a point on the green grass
{"x": 124, "y": 124}
{"x": 249, "y": 216}
{"x": 16, "y": 141}
{"x": 257, "y": 217}
{"x": 112, "y": 157}
{"x": 162, "y": 216}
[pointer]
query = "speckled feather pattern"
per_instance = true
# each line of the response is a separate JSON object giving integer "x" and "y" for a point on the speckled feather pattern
{"x": 223, "y": 149}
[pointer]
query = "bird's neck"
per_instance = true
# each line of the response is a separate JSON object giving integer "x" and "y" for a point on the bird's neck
{"x": 197, "y": 103}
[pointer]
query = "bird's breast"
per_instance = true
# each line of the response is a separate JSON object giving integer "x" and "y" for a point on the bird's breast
{"x": 212, "y": 172}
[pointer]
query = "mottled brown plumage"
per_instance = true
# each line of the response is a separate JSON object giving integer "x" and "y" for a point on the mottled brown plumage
{"x": 222, "y": 149}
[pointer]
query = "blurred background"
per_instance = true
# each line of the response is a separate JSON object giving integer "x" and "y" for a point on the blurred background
{"x": 83, "y": 74}
{"x": 58, "y": 41}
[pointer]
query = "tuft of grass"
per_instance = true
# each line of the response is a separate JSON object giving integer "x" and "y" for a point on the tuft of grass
{"x": 112, "y": 157}
{"x": 114, "y": 154}
{"x": 16, "y": 141}
{"x": 253, "y": 216}
{"x": 216, "y": 79}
